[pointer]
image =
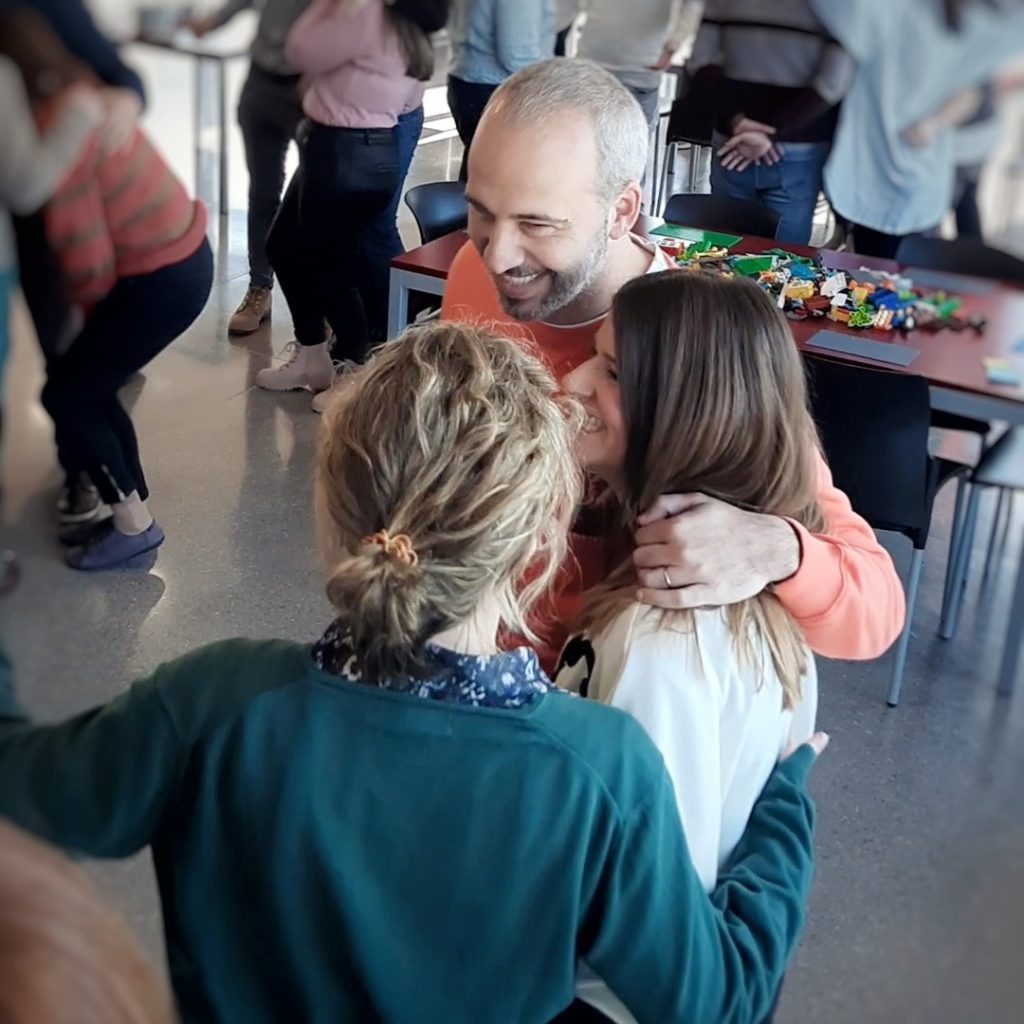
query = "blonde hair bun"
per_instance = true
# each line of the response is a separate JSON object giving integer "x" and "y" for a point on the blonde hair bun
{"x": 446, "y": 474}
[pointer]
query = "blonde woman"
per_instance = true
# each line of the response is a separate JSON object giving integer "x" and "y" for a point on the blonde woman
{"x": 64, "y": 955}
{"x": 696, "y": 387}
{"x": 400, "y": 823}
{"x": 364, "y": 67}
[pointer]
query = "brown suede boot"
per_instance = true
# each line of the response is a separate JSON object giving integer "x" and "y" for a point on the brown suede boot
{"x": 253, "y": 310}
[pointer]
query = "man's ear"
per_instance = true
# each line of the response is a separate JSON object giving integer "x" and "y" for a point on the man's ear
{"x": 626, "y": 211}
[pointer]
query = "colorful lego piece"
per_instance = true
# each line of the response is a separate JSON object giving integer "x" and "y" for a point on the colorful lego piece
{"x": 862, "y": 316}
{"x": 833, "y": 285}
{"x": 751, "y": 266}
{"x": 799, "y": 289}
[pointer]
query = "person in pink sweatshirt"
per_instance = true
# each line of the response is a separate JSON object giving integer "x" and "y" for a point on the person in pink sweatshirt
{"x": 364, "y": 66}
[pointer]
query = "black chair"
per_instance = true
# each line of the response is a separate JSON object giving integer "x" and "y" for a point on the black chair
{"x": 722, "y": 213}
{"x": 691, "y": 123}
{"x": 874, "y": 428}
{"x": 960, "y": 256}
{"x": 439, "y": 208}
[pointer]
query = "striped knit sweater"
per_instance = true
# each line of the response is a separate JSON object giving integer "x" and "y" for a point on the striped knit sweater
{"x": 119, "y": 215}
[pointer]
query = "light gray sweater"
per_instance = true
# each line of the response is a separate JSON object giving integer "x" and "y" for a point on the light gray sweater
{"x": 32, "y": 166}
{"x": 628, "y": 38}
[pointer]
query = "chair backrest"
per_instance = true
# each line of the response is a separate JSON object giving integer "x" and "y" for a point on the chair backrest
{"x": 722, "y": 213}
{"x": 960, "y": 256}
{"x": 439, "y": 208}
{"x": 690, "y": 121}
{"x": 874, "y": 427}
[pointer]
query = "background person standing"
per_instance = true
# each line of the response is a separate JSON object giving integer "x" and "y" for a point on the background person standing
{"x": 492, "y": 40}
{"x": 774, "y": 77}
{"x": 269, "y": 112}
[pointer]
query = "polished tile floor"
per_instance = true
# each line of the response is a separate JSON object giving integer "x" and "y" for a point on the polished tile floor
{"x": 917, "y": 915}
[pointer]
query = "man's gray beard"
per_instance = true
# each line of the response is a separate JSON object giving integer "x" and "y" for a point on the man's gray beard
{"x": 566, "y": 286}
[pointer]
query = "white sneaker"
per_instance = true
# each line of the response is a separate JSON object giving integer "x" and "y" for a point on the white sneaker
{"x": 322, "y": 400}
{"x": 308, "y": 366}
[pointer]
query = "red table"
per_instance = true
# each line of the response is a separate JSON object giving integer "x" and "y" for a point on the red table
{"x": 951, "y": 361}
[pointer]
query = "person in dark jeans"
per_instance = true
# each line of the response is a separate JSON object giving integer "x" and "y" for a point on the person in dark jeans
{"x": 94, "y": 433}
{"x": 334, "y": 236}
{"x": 773, "y": 78}
{"x": 318, "y": 244}
{"x": 269, "y": 113}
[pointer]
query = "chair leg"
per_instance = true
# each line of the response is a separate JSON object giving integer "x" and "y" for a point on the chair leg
{"x": 994, "y": 536}
{"x": 963, "y": 556}
{"x": 954, "y": 540}
{"x": 896, "y": 682}
{"x": 692, "y": 170}
{"x": 668, "y": 174}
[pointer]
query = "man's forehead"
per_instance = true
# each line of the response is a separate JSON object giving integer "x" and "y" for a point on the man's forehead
{"x": 528, "y": 173}
{"x": 560, "y": 142}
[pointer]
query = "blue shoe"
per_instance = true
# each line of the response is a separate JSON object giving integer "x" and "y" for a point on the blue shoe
{"x": 112, "y": 549}
{"x": 79, "y": 534}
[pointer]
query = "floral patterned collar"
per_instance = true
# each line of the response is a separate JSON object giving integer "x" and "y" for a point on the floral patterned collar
{"x": 509, "y": 680}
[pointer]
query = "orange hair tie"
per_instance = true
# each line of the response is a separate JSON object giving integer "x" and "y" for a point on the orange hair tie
{"x": 398, "y": 547}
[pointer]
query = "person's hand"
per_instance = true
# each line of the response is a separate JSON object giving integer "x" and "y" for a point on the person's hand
{"x": 200, "y": 27}
{"x": 818, "y": 743}
{"x": 693, "y": 551}
{"x": 749, "y": 147}
{"x": 123, "y": 107}
{"x": 664, "y": 62}
{"x": 85, "y": 101}
{"x": 922, "y": 134}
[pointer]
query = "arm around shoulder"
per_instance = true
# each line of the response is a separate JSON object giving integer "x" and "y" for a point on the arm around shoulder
{"x": 671, "y": 952}
{"x": 846, "y": 596}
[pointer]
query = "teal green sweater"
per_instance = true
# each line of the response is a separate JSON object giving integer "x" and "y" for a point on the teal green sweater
{"x": 328, "y": 851}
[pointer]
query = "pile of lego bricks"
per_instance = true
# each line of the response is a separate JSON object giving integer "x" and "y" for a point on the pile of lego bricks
{"x": 804, "y": 288}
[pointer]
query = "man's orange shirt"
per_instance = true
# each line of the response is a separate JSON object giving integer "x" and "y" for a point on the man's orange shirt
{"x": 846, "y": 595}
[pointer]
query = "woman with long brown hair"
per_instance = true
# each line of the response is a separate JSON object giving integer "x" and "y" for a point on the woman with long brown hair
{"x": 696, "y": 387}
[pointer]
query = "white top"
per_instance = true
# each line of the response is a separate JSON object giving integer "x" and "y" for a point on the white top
{"x": 908, "y": 64}
{"x": 717, "y": 720}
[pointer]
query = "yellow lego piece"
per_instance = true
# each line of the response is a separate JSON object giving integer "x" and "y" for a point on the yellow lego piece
{"x": 800, "y": 289}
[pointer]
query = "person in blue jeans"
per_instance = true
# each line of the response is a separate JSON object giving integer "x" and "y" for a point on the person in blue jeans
{"x": 774, "y": 79}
